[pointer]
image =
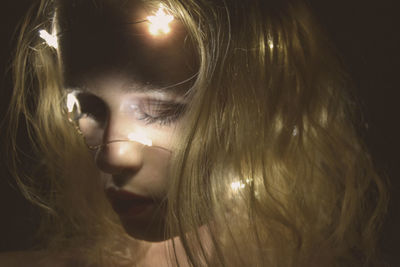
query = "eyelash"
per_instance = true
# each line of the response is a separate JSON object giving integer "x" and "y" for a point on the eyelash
{"x": 161, "y": 120}
{"x": 170, "y": 113}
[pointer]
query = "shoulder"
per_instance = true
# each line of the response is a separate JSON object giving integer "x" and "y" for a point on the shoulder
{"x": 32, "y": 259}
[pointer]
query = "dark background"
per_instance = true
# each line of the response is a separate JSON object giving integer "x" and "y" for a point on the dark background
{"x": 366, "y": 35}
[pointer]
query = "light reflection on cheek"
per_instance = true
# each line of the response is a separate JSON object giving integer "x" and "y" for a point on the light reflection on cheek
{"x": 140, "y": 138}
{"x": 153, "y": 135}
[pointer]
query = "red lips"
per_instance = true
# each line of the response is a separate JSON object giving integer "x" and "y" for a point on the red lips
{"x": 128, "y": 204}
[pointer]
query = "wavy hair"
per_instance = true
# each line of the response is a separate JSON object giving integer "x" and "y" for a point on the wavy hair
{"x": 271, "y": 165}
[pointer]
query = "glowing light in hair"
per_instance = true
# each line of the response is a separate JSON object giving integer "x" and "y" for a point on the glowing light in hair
{"x": 140, "y": 138}
{"x": 159, "y": 23}
{"x": 270, "y": 44}
{"x": 237, "y": 185}
{"x": 72, "y": 102}
{"x": 50, "y": 39}
{"x": 295, "y": 131}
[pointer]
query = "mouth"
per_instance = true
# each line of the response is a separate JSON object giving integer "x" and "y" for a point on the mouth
{"x": 127, "y": 204}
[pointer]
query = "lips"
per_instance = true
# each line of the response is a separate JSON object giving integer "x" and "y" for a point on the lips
{"x": 128, "y": 204}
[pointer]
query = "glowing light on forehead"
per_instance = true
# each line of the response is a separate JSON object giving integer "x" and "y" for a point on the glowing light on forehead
{"x": 140, "y": 138}
{"x": 159, "y": 23}
{"x": 50, "y": 39}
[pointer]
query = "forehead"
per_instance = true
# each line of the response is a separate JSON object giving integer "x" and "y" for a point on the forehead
{"x": 101, "y": 37}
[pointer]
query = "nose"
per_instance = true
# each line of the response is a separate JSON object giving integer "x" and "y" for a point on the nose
{"x": 118, "y": 154}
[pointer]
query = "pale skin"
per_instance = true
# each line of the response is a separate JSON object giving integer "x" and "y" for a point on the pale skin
{"x": 129, "y": 92}
{"x": 126, "y": 165}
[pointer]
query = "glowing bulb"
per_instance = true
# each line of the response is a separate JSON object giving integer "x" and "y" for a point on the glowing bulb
{"x": 72, "y": 102}
{"x": 50, "y": 39}
{"x": 136, "y": 137}
{"x": 295, "y": 131}
{"x": 237, "y": 185}
{"x": 270, "y": 44}
{"x": 160, "y": 22}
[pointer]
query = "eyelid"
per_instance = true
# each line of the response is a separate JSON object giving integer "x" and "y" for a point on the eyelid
{"x": 163, "y": 113}
{"x": 162, "y": 105}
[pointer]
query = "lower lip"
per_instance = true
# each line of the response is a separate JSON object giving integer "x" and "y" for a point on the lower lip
{"x": 127, "y": 206}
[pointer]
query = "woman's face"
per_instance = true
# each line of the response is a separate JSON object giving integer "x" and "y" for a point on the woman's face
{"x": 129, "y": 85}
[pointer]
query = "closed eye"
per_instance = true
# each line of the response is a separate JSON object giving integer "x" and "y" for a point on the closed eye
{"x": 161, "y": 112}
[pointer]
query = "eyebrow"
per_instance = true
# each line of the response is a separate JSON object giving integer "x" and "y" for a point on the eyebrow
{"x": 141, "y": 87}
{"x": 151, "y": 87}
{"x": 130, "y": 88}
{"x": 159, "y": 93}
{"x": 144, "y": 88}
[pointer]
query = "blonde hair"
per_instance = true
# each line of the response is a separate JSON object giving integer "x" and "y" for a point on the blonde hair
{"x": 271, "y": 164}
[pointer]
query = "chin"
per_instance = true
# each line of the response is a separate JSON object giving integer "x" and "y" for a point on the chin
{"x": 154, "y": 231}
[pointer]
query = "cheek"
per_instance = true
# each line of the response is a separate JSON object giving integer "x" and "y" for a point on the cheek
{"x": 156, "y": 163}
{"x": 165, "y": 137}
